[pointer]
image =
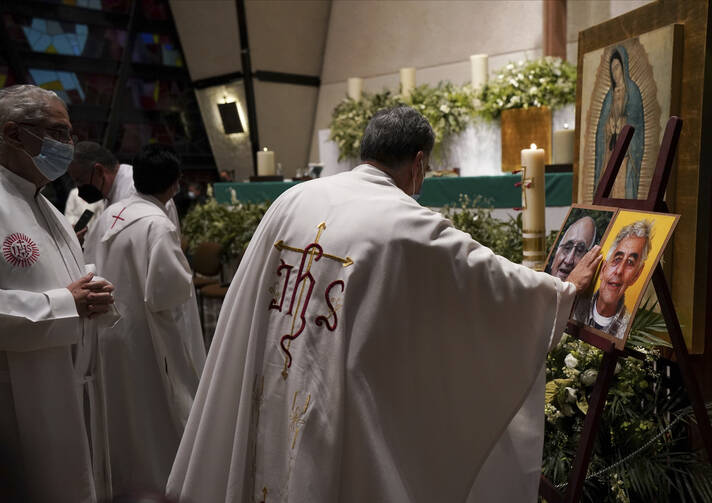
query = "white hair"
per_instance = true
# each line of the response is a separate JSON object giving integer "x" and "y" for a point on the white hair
{"x": 25, "y": 102}
{"x": 639, "y": 229}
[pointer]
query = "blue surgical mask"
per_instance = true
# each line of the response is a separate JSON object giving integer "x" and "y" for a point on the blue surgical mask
{"x": 54, "y": 157}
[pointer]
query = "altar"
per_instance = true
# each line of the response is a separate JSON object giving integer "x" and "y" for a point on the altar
{"x": 437, "y": 192}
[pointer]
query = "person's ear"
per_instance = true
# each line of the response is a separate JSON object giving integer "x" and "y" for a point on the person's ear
{"x": 11, "y": 134}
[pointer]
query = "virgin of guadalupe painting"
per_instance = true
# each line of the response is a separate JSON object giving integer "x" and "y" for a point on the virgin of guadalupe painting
{"x": 622, "y": 105}
{"x": 627, "y": 83}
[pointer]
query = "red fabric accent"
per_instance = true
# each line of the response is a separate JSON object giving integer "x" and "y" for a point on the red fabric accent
{"x": 118, "y": 217}
{"x": 323, "y": 319}
{"x": 301, "y": 276}
{"x": 282, "y": 266}
{"x": 19, "y": 250}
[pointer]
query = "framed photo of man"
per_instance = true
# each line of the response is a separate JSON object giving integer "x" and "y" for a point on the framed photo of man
{"x": 631, "y": 250}
{"x": 584, "y": 227}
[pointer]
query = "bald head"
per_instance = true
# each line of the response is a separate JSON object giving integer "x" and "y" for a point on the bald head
{"x": 577, "y": 240}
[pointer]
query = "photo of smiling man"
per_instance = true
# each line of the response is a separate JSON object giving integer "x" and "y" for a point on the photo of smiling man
{"x": 631, "y": 251}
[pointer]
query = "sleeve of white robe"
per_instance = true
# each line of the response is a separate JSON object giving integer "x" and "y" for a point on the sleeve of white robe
{"x": 37, "y": 320}
{"x": 169, "y": 284}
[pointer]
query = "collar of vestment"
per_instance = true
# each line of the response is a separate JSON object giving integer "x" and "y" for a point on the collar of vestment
{"x": 124, "y": 175}
{"x": 374, "y": 174}
{"x": 124, "y": 213}
{"x": 24, "y": 187}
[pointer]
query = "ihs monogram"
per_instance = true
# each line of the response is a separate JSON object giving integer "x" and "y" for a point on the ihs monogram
{"x": 302, "y": 292}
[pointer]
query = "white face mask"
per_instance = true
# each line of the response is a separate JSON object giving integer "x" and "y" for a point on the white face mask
{"x": 54, "y": 157}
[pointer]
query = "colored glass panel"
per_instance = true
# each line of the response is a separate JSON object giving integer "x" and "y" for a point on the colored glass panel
{"x": 70, "y": 39}
{"x": 156, "y": 49}
{"x": 106, "y": 5}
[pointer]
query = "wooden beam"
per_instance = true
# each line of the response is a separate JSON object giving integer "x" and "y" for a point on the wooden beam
{"x": 112, "y": 129}
{"x": 555, "y": 28}
{"x": 248, "y": 83}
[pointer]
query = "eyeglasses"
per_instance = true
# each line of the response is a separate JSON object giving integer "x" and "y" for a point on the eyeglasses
{"x": 579, "y": 249}
{"x": 58, "y": 133}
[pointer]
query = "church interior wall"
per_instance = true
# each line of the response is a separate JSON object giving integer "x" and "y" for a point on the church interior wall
{"x": 373, "y": 41}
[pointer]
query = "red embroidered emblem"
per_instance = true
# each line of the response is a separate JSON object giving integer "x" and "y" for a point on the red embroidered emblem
{"x": 302, "y": 292}
{"x": 19, "y": 250}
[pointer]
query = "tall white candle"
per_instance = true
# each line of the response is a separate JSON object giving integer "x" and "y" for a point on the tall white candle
{"x": 355, "y": 88}
{"x": 563, "y": 146}
{"x": 265, "y": 163}
{"x": 480, "y": 70}
{"x": 407, "y": 79}
{"x": 534, "y": 206}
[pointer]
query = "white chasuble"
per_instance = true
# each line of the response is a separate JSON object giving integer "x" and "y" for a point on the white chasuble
{"x": 46, "y": 353}
{"x": 366, "y": 351}
{"x": 152, "y": 358}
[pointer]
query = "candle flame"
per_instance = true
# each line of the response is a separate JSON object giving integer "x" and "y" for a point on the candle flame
{"x": 566, "y": 125}
{"x": 533, "y": 146}
{"x": 265, "y": 149}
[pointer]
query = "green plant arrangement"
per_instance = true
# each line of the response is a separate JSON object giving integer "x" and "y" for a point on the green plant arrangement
{"x": 542, "y": 82}
{"x": 350, "y": 118}
{"x": 231, "y": 227}
{"x": 449, "y": 109}
{"x": 637, "y": 411}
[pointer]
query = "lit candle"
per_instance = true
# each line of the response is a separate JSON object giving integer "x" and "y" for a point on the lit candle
{"x": 480, "y": 70}
{"x": 407, "y": 78}
{"x": 355, "y": 88}
{"x": 265, "y": 163}
{"x": 563, "y": 146}
{"x": 534, "y": 205}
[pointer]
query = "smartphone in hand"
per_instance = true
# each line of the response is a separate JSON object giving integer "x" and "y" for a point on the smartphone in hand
{"x": 83, "y": 220}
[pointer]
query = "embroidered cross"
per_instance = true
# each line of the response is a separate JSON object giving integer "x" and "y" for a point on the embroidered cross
{"x": 118, "y": 217}
{"x": 305, "y": 285}
{"x": 296, "y": 419}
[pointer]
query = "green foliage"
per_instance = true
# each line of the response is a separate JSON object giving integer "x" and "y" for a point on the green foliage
{"x": 474, "y": 216}
{"x": 231, "y": 227}
{"x": 636, "y": 411}
{"x": 350, "y": 118}
{"x": 449, "y": 109}
{"x": 543, "y": 82}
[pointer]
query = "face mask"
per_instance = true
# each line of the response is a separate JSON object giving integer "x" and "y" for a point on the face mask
{"x": 90, "y": 193}
{"x": 54, "y": 157}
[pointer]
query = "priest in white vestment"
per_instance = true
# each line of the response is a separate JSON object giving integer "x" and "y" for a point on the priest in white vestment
{"x": 151, "y": 360}
{"x": 99, "y": 176}
{"x": 47, "y": 354}
{"x": 366, "y": 350}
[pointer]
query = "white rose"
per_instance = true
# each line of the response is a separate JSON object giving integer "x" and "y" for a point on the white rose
{"x": 570, "y": 394}
{"x": 589, "y": 377}
{"x": 570, "y": 361}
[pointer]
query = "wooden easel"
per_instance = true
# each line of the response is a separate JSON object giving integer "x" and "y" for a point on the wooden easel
{"x": 596, "y": 403}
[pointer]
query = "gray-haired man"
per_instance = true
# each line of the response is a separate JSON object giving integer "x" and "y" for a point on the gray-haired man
{"x": 624, "y": 263}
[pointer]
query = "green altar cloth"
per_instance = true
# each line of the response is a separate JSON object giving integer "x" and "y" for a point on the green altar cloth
{"x": 436, "y": 192}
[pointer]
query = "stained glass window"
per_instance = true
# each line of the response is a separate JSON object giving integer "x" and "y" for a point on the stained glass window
{"x": 69, "y": 39}
{"x": 107, "y": 5}
{"x": 156, "y": 50}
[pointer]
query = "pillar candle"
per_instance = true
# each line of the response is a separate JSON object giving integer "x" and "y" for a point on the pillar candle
{"x": 407, "y": 78}
{"x": 563, "y": 146}
{"x": 534, "y": 205}
{"x": 355, "y": 88}
{"x": 480, "y": 70}
{"x": 265, "y": 163}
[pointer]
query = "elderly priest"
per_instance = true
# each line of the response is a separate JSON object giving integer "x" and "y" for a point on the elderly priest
{"x": 366, "y": 350}
{"x": 47, "y": 355}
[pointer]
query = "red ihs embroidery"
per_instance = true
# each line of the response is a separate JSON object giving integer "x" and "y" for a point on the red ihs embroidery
{"x": 20, "y": 250}
{"x": 323, "y": 319}
{"x": 302, "y": 292}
